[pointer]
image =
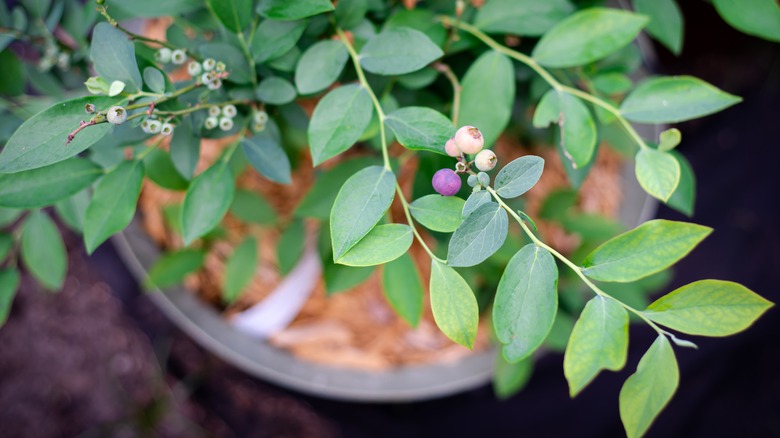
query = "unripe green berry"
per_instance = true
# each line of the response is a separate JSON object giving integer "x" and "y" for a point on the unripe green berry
{"x": 261, "y": 117}
{"x": 472, "y": 180}
{"x": 100, "y": 2}
{"x": 486, "y": 160}
{"x": 451, "y": 148}
{"x": 163, "y": 55}
{"x": 214, "y": 111}
{"x": 226, "y": 123}
{"x": 484, "y": 179}
{"x": 469, "y": 139}
{"x": 220, "y": 66}
{"x": 209, "y": 64}
{"x": 194, "y": 68}
{"x": 154, "y": 126}
{"x": 179, "y": 56}
{"x": 166, "y": 129}
{"x": 211, "y": 123}
{"x": 229, "y": 111}
{"x": 116, "y": 115}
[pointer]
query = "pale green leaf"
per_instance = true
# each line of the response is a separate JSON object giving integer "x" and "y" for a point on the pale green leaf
{"x": 274, "y": 38}
{"x": 666, "y": 22}
{"x": 421, "y": 128}
{"x": 487, "y": 95}
{"x": 319, "y": 201}
{"x": 239, "y": 269}
{"x": 657, "y": 172}
{"x": 760, "y": 18}
{"x": 46, "y": 185}
{"x": 206, "y": 202}
{"x": 454, "y": 305}
{"x": 398, "y": 51}
{"x": 684, "y": 196}
{"x": 438, "y": 213}
{"x": 162, "y": 171}
{"x": 290, "y": 247}
{"x": 43, "y": 251}
{"x": 154, "y": 79}
{"x": 479, "y": 236}
{"x": 9, "y": 282}
{"x": 518, "y": 176}
{"x": 113, "y": 55}
{"x": 267, "y": 157}
{"x": 185, "y": 150}
{"x": 510, "y": 378}
{"x": 669, "y": 139}
{"x": 320, "y": 66}
{"x": 293, "y": 10}
{"x": 521, "y": 17}
{"x": 73, "y": 209}
{"x": 577, "y": 127}
{"x": 252, "y": 208}
{"x": 403, "y": 289}
{"x": 338, "y": 121}
{"x": 384, "y": 243}
{"x": 171, "y": 268}
{"x": 275, "y": 91}
{"x": 341, "y": 278}
{"x": 475, "y": 200}
{"x": 234, "y": 14}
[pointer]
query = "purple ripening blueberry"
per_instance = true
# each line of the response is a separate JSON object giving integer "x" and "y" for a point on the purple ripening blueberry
{"x": 446, "y": 182}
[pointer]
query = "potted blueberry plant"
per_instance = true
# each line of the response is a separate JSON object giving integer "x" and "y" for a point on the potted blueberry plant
{"x": 239, "y": 70}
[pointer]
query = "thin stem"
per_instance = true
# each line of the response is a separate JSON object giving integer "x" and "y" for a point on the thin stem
{"x": 408, "y": 215}
{"x": 249, "y": 59}
{"x": 168, "y": 97}
{"x": 103, "y": 9}
{"x": 456, "y": 89}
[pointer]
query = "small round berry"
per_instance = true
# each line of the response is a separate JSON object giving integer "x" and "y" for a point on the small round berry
{"x": 220, "y": 66}
{"x": 215, "y": 84}
{"x": 89, "y": 108}
{"x": 226, "y": 123}
{"x": 446, "y": 182}
{"x": 154, "y": 126}
{"x": 214, "y": 111}
{"x": 451, "y": 148}
{"x": 486, "y": 160}
{"x": 261, "y": 117}
{"x": 472, "y": 180}
{"x": 166, "y": 129}
{"x": 116, "y": 115}
{"x": 209, "y": 64}
{"x": 100, "y": 2}
{"x": 469, "y": 139}
{"x": 207, "y": 78}
{"x": 145, "y": 126}
{"x": 229, "y": 111}
{"x": 179, "y": 56}
{"x": 211, "y": 123}
{"x": 194, "y": 68}
{"x": 163, "y": 55}
{"x": 484, "y": 179}
{"x": 63, "y": 61}
{"x": 46, "y": 63}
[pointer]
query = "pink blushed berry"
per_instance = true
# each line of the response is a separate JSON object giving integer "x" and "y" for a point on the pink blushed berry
{"x": 486, "y": 160}
{"x": 451, "y": 148}
{"x": 446, "y": 182}
{"x": 469, "y": 139}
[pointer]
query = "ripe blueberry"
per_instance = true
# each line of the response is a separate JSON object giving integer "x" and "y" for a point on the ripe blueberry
{"x": 446, "y": 182}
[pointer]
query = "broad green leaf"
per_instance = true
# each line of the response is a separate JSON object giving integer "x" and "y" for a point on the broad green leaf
{"x": 518, "y": 176}
{"x": 320, "y": 66}
{"x": 234, "y": 60}
{"x": 206, "y": 202}
{"x": 6, "y": 243}
{"x": 185, "y": 150}
{"x": 421, "y": 128}
{"x": 384, "y": 243}
{"x": 267, "y": 157}
{"x": 234, "y": 14}
{"x": 669, "y": 139}
{"x": 47, "y": 185}
{"x": 398, "y": 51}
{"x": 9, "y": 282}
{"x": 73, "y": 209}
{"x": 599, "y": 341}
{"x": 454, "y": 305}
{"x": 479, "y": 236}
{"x": 759, "y": 18}
{"x": 154, "y": 79}
{"x": 611, "y": 83}
{"x": 674, "y": 99}
{"x": 113, "y": 203}
{"x": 43, "y": 252}
{"x": 113, "y": 55}
{"x": 290, "y": 247}
{"x": 558, "y": 338}
{"x": 361, "y": 202}
{"x": 274, "y": 38}
{"x": 252, "y": 208}
{"x": 171, "y": 268}
{"x": 162, "y": 171}
{"x": 403, "y": 289}
{"x": 521, "y": 17}
{"x": 419, "y": 79}
{"x": 319, "y": 201}
{"x": 349, "y": 13}
{"x": 438, "y": 213}
{"x": 287, "y": 10}
{"x": 587, "y": 36}
{"x": 708, "y": 308}
{"x": 475, "y": 200}
{"x": 510, "y": 378}
{"x": 649, "y": 389}
{"x": 526, "y": 302}
{"x": 239, "y": 269}
{"x": 649, "y": 248}
{"x": 276, "y": 91}
{"x": 341, "y": 278}
{"x": 338, "y": 121}
{"x": 666, "y": 22}
{"x": 41, "y": 140}
{"x": 487, "y": 95}
{"x": 657, "y": 172}
{"x": 12, "y": 76}
{"x": 684, "y": 196}
{"x": 152, "y": 8}
{"x": 8, "y": 215}
{"x": 578, "y": 129}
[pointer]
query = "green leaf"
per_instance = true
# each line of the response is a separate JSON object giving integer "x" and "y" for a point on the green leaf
{"x": 669, "y": 139}
{"x": 267, "y": 157}
{"x": 160, "y": 169}
{"x": 287, "y": 10}
{"x": 518, "y": 176}
{"x": 234, "y": 14}
{"x": 290, "y": 247}
{"x": 6, "y": 243}
{"x": 526, "y": 302}
{"x": 47, "y": 185}
{"x": 152, "y": 8}
{"x": 666, "y": 22}
{"x": 454, "y": 305}
{"x": 708, "y": 308}
{"x": 521, "y": 17}
{"x": 274, "y": 38}
{"x": 398, "y": 51}
{"x": 657, "y": 172}
{"x": 206, "y": 202}
{"x": 154, "y": 79}
{"x": 759, "y": 18}
{"x": 361, "y": 202}
{"x": 43, "y": 252}
{"x": 252, "y": 208}
{"x": 599, "y": 341}
{"x": 113, "y": 203}
{"x": 8, "y": 216}
{"x": 340, "y": 278}
{"x": 487, "y": 95}
{"x": 611, "y": 83}
{"x": 12, "y": 77}
{"x": 403, "y": 289}
{"x": 421, "y": 128}
{"x": 510, "y": 378}
{"x": 171, "y": 268}
{"x": 684, "y": 195}
{"x": 479, "y": 236}
{"x": 350, "y": 13}
{"x": 475, "y": 200}
{"x": 275, "y": 91}
{"x": 384, "y": 243}
{"x": 587, "y": 36}
{"x": 320, "y": 66}
{"x": 438, "y": 213}
{"x": 239, "y": 269}
{"x": 73, "y": 209}
{"x": 185, "y": 150}
{"x": 649, "y": 248}
{"x": 234, "y": 60}
{"x": 41, "y": 140}
{"x": 319, "y": 201}
{"x": 674, "y": 99}
{"x": 647, "y": 391}
{"x": 113, "y": 55}
{"x": 338, "y": 121}
{"x": 9, "y": 282}
{"x": 578, "y": 129}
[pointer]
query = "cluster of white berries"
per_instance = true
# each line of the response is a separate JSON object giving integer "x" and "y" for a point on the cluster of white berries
{"x": 209, "y": 72}
{"x": 259, "y": 121}
{"x": 469, "y": 140}
{"x": 53, "y": 56}
{"x": 166, "y": 55}
{"x": 222, "y": 117}
{"x": 151, "y": 125}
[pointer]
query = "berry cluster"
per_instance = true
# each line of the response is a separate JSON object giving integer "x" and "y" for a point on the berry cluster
{"x": 467, "y": 140}
{"x": 222, "y": 117}
{"x": 209, "y": 71}
{"x": 151, "y": 125}
{"x": 53, "y": 56}
{"x": 259, "y": 121}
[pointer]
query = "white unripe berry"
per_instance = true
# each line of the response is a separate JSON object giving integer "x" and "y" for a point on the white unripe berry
{"x": 229, "y": 111}
{"x": 209, "y": 64}
{"x": 154, "y": 126}
{"x": 451, "y": 148}
{"x": 166, "y": 129}
{"x": 194, "y": 68}
{"x": 145, "y": 126}
{"x": 214, "y": 111}
{"x": 178, "y": 57}
{"x": 163, "y": 55}
{"x": 225, "y": 123}
{"x": 486, "y": 160}
{"x": 261, "y": 117}
{"x": 116, "y": 115}
{"x": 211, "y": 123}
{"x": 220, "y": 67}
{"x": 469, "y": 139}
{"x": 215, "y": 84}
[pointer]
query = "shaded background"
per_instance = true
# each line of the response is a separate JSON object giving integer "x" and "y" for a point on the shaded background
{"x": 99, "y": 359}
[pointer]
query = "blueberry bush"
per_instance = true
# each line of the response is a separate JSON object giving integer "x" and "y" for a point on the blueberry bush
{"x": 444, "y": 79}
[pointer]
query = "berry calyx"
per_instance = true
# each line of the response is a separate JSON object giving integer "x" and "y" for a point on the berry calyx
{"x": 486, "y": 160}
{"x": 469, "y": 139}
{"x": 451, "y": 148}
{"x": 116, "y": 115}
{"x": 446, "y": 182}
